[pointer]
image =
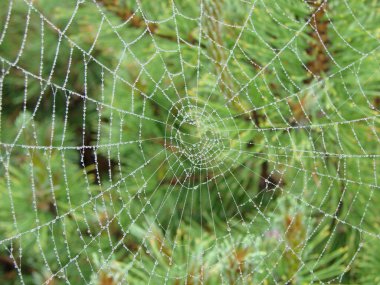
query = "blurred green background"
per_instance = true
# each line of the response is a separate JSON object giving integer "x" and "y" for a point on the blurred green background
{"x": 189, "y": 142}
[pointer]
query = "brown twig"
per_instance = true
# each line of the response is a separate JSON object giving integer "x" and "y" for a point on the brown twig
{"x": 319, "y": 25}
{"x": 135, "y": 21}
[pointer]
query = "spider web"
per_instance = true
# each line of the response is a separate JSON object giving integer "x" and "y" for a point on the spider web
{"x": 182, "y": 116}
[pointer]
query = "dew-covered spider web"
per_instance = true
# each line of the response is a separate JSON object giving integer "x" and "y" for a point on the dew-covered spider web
{"x": 189, "y": 142}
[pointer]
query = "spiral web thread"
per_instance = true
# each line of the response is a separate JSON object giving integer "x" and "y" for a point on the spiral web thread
{"x": 202, "y": 144}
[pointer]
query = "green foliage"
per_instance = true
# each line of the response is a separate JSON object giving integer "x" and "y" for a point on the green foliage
{"x": 219, "y": 144}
